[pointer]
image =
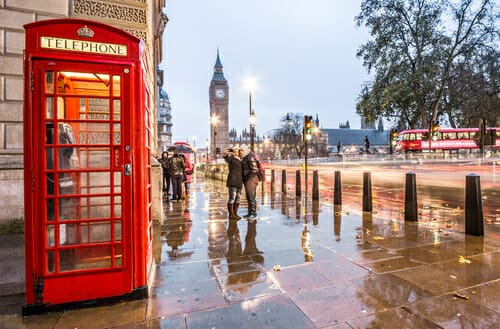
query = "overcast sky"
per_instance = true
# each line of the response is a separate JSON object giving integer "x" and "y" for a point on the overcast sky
{"x": 302, "y": 54}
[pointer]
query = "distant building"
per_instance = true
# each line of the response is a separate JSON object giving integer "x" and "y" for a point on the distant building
{"x": 219, "y": 110}
{"x": 164, "y": 121}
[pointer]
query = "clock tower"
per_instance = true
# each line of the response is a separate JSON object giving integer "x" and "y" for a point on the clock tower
{"x": 219, "y": 117}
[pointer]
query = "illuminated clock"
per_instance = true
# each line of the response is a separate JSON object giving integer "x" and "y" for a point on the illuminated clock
{"x": 219, "y": 93}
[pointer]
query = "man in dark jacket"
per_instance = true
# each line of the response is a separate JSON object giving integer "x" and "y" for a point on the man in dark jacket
{"x": 166, "y": 173}
{"x": 250, "y": 179}
{"x": 177, "y": 171}
{"x": 234, "y": 181}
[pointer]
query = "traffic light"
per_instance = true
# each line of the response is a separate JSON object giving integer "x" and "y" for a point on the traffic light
{"x": 308, "y": 126}
{"x": 394, "y": 136}
{"x": 435, "y": 130}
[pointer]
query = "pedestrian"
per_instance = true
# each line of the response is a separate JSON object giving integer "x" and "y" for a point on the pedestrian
{"x": 164, "y": 160}
{"x": 189, "y": 173}
{"x": 251, "y": 179}
{"x": 186, "y": 180}
{"x": 234, "y": 181}
{"x": 177, "y": 171}
{"x": 339, "y": 147}
{"x": 367, "y": 144}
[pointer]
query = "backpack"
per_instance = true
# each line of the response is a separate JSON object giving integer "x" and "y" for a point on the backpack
{"x": 260, "y": 173}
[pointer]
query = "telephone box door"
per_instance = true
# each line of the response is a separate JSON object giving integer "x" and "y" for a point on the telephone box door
{"x": 81, "y": 181}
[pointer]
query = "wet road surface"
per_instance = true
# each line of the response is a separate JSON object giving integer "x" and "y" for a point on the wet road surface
{"x": 303, "y": 264}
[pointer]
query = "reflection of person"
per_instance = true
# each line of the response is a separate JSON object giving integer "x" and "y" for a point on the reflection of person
{"x": 367, "y": 144}
{"x": 250, "y": 179}
{"x": 177, "y": 169}
{"x": 234, "y": 181}
{"x": 251, "y": 244}
{"x": 166, "y": 173}
{"x": 240, "y": 272}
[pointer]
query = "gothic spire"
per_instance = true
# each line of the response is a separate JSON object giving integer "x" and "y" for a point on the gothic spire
{"x": 218, "y": 74}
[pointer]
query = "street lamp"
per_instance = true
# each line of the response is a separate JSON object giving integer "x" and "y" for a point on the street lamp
{"x": 250, "y": 85}
{"x": 253, "y": 119}
{"x": 213, "y": 121}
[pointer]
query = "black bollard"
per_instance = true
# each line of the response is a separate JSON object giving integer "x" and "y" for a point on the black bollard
{"x": 411, "y": 208}
{"x": 315, "y": 191}
{"x": 298, "y": 191}
{"x": 315, "y": 212}
{"x": 337, "y": 221}
{"x": 337, "y": 189}
{"x": 283, "y": 181}
{"x": 272, "y": 180}
{"x": 367, "y": 192}
{"x": 473, "y": 206}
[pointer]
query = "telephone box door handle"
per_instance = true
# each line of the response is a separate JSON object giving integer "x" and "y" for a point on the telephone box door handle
{"x": 128, "y": 169}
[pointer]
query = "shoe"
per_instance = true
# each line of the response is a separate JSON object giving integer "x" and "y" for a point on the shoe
{"x": 247, "y": 215}
{"x": 252, "y": 217}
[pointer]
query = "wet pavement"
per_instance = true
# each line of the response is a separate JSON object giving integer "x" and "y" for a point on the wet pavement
{"x": 302, "y": 264}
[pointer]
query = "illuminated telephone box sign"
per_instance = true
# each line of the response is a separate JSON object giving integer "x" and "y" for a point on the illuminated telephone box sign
{"x": 87, "y": 217}
{"x": 83, "y": 46}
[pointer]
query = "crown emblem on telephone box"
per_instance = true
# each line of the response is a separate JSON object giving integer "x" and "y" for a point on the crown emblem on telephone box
{"x": 85, "y": 32}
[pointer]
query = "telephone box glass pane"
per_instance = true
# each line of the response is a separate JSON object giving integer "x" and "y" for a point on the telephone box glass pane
{"x": 116, "y": 133}
{"x": 93, "y": 157}
{"x": 116, "y": 109}
{"x": 118, "y": 206}
{"x": 49, "y": 82}
{"x": 85, "y": 258}
{"x": 118, "y": 255}
{"x": 116, "y": 85}
{"x": 87, "y": 233}
{"x": 93, "y": 133}
{"x": 118, "y": 182}
{"x": 50, "y": 262}
{"x": 94, "y": 109}
{"x": 68, "y": 209}
{"x": 50, "y": 236}
{"x": 49, "y": 107}
{"x": 95, "y": 207}
{"x": 118, "y": 230}
{"x": 92, "y": 84}
{"x": 96, "y": 183}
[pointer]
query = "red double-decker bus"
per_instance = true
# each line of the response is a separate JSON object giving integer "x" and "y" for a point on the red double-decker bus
{"x": 418, "y": 140}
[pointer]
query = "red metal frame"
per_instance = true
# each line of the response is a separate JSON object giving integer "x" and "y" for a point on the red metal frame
{"x": 91, "y": 273}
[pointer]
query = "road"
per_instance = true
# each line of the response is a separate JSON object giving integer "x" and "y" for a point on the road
{"x": 440, "y": 185}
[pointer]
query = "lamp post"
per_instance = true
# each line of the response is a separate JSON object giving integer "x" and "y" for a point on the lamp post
{"x": 213, "y": 121}
{"x": 250, "y": 85}
{"x": 253, "y": 119}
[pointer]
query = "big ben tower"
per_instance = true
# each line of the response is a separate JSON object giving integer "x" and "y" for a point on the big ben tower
{"x": 219, "y": 101}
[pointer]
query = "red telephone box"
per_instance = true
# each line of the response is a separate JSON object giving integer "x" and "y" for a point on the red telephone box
{"x": 87, "y": 170}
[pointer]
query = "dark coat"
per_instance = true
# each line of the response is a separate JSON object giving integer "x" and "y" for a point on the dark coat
{"x": 177, "y": 165}
{"x": 250, "y": 166}
{"x": 235, "y": 175}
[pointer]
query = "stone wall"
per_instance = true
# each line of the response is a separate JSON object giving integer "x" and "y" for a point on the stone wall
{"x": 13, "y": 15}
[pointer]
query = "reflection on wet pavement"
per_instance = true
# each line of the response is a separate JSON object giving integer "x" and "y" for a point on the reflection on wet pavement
{"x": 305, "y": 264}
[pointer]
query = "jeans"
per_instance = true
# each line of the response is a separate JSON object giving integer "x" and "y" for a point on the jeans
{"x": 166, "y": 183}
{"x": 251, "y": 192}
{"x": 176, "y": 187}
{"x": 234, "y": 194}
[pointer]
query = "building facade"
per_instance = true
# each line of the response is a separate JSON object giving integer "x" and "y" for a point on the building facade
{"x": 219, "y": 110}
{"x": 142, "y": 18}
{"x": 164, "y": 121}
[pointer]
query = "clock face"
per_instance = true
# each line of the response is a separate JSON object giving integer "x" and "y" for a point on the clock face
{"x": 219, "y": 93}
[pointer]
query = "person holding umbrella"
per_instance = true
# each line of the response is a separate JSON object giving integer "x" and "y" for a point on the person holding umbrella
{"x": 177, "y": 172}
